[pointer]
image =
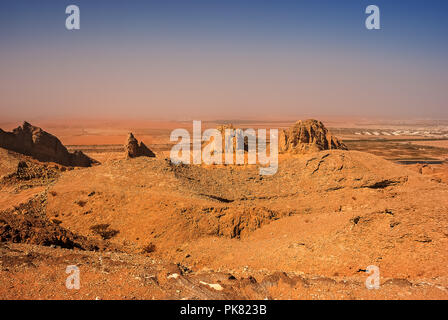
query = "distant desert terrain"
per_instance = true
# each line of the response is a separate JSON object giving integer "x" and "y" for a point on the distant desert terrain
{"x": 145, "y": 228}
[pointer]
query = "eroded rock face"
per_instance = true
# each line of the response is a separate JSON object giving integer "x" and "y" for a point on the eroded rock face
{"x": 35, "y": 142}
{"x": 423, "y": 168}
{"x": 135, "y": 149}
{"x": 234, "y": 130}
{"x": 308, "y": 136}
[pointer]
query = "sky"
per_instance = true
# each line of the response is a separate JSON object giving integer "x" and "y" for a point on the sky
{"x": 205, "y": 59}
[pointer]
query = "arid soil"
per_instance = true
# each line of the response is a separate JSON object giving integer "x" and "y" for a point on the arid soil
{"x": 144, "y": 228}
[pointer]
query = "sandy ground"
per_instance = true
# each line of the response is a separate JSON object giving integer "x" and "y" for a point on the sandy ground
{"x": 146, "y": 229}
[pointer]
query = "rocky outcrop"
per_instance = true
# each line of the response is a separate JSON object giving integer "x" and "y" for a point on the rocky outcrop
{"x": 235, "y": 131}
{"x": 135, "y": 149}
{"x": 308, "y": 136}
{"x": 423, "y": 168}
{"x": 33, "y": 141}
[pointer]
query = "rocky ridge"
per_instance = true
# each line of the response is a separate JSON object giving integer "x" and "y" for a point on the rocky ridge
{"x": 41, "y": 145}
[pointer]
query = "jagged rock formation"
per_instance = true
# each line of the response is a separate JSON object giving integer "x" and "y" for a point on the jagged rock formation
{"x": 33, "y": 141}
{"x": 135, "y": 149}
{"x": 308, "y": 136}
{"x": 222, "y": 130}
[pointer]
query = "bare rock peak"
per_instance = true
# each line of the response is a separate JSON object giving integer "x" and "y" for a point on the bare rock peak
{"x": 135, "y": 149}
{"x": 308, "y": 136}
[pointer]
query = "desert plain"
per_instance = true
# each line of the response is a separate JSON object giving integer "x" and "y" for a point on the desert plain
{"x": 145, "y": 228}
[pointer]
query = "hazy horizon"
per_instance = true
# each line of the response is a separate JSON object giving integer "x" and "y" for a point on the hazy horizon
{"x": 180, "y": 60}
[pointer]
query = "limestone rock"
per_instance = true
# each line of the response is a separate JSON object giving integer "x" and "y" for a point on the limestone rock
{"x": 135, "y": 149}
{"x": 35, "y": 142}
{"x": 308, "y": 136}
{"x": 222, "y": 130}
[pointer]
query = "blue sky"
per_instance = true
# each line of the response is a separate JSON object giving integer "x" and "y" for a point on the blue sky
{"x": 197, "y": 50}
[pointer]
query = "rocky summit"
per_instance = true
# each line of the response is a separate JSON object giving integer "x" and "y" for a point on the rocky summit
{"x": 35, "y": 142}
{"x": 308, "y": 136}
{"x": 135, "y": 149}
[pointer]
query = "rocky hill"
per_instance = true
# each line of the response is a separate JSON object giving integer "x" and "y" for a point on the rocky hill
{"x": 308, "y": 136}
{"x": 35, "y": 142}
{"x": 307, "y": 232}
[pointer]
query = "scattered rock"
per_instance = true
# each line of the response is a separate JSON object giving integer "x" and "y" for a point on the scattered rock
{"x": 32, "y": 227}
{"x": 424, "y": 239}
{"x": 173, "y": 276}
{"x": 149, "y": 248}
{"x": 103, "y": 231}
{"x": 273, "y": 280}
{"x": 81, "y": 203}
{"x": 215, "y": 286}
{"x": 56, "y": 221}
{"x": 355, "y": 220}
